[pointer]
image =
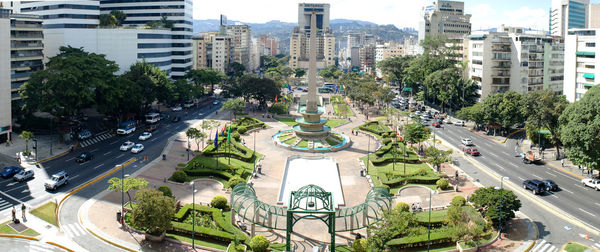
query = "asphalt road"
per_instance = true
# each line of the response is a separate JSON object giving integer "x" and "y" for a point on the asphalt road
{"x": 582, "y": 203}
{"x": 19, "y": 245}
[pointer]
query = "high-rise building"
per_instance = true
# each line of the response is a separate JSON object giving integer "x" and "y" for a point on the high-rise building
{"x": 300, "y": 37}
{"x": 242, "y": 41}
{"x": 353, "y": 40}
{"x": 582, "y": 64}
{"x": 213, "y": 50}
{"x": 512, "y": 59}
{"x": 568, "y": 14}
{"x": 445, "y": 18}
{"x": 594, "y": 16}
{"x": 367, "y": 58}
{"x": 5, "y": 89}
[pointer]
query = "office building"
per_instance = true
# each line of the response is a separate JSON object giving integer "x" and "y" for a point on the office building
{"x": 568, "y": 14}
{"x": 513, "y": 59}
{"x": 242, "y": 41}
{"x": 594, "y": 16}
{"x": 353, "y": 40}
{"x": 367, "y": 58}
{"x": 5, "y": 69}
{"x": 299, "y": 40}
{"x": 582, "y": 64}
{"x": 445, "y": 18}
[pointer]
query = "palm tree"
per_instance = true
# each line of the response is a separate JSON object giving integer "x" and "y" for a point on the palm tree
{"x": 27, "y": 135}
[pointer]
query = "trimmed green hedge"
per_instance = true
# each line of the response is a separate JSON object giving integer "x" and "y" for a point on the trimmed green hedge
{"x": 396, "y": 180}
{"x": 248, "y": 122}
{"x": 438, "y": 236}
{"x": 225, "y": 175}
{"x": 244, "y": 154}
{"x": 375, "y": 127}
{"x": 227, "y": 235}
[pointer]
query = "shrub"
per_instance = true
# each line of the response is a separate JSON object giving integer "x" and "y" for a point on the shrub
{"x": 423, "y": 171}
{"x": 242, "y": 129}
{"x": 219, "y": 202}
{"x": 387, "y": 140}
{"x": 236, "y": 136}
{"x": 442, "y": 183}
{"x": 458, "y": 201}
{"x": 359, "y": 245}
{"x": 179, "y": 176}
{"x": 259, "y": 243}
{"x": 233, "y": 181}
{"x": 402, "y": 207}
{"x": 166, "y": 191}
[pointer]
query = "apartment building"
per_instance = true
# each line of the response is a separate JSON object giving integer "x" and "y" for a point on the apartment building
{"x": 445, "y": 18}
{"x": 582, "y": 64}
{"x": 594, "y": 16}
{"x": 241, "y": 35}
{"x": 299, "y": 39}
{"x": 212, "y": 50}
{"x": 5, "y": 68}
{"x": 513, "y": 59}
{"x": 568, "y": 14}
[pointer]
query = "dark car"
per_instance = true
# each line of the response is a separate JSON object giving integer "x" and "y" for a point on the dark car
{"x": 176, "y": 119}
{"x": 536, "y": 186}
{"x": 151, "y": 128}
{"x": 550, "y": 185}
{"x": 86, "y": 156}
{"x": 10, "y": 171}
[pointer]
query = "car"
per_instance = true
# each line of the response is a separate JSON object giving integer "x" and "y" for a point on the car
{"x": 460, "y": 123}
{"x": 23, "y": 175}
{"x": 84, "y": 134}
{"x": 305, "y": 90}
{"x": 591, "y": 182}
{"x": 188, "y": 104}
{"x": 86, "y": 156}
{"x": 436, "y": 124}
{"x": 10, "y": 171}
{"x": 57, "y": 180}
{"x": 447, "y": 121}
{"x": 151, "y": 128}
{"x": 127, "y": 145}
{"x": 144, "y": 136}
{"x": 137, "y": 148}
{"x": 466, "y": 141}
{"x": 177, "y": 108}
{"x": 471, "y": 151}
{"x": 550, "y": 185}
{"x": 176, "y": 119}
{"x": 536, "y": 186}
{"x": 216, "y": 102}
{"x": 419, "y": 113}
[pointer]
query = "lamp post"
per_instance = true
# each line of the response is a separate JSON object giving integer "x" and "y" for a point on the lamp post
{"x": 123, "y": 176}
{"x": 368, "y": 153}
{"x": 193, "y": 214}
{"x": 188, "y": 150}
{"x": 51, "y": 132}
{"x": 429, "y": 225}
{"x": 500, "y": 215}
{"x": 254, "y": 152}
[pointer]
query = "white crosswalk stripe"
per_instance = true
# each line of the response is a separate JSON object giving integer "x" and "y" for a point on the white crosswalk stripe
{"x": 4, "y": 204}
{"x": 96, "y": 139}
{"x": 73, "y": 229}
{"x": 543, "y": 246}
{"x": 596, "y": 245}
{"x": 40, "y": 247}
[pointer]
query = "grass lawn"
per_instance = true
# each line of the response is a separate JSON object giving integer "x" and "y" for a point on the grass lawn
{"x": 197, "y": 242}
{"x": 46, "y": 212}
{"x": 436, "y": 216}
{"x": 5, "y": 229}
{"x": 287, "y": 120}
{"x": 303, "y": 143}
{"x": 336, "y": 122}
{"x": 342, "y": 110}
{"x": 210, "y": 162}
{"x": 381, "y": 118}
{"x": 337, "y": 99}
{"x": 290, "y": 141}
{"x": 410, "y": 168}
{"x": 574, "y": 247}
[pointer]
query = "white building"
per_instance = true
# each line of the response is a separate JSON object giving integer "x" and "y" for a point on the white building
{"x": 299, "y": 40}
{"x": 568, "y": 14}
{"x": 582, "y": 64}
{"x": 212, "y": 50}
{"x": 5, "y": 90}
{"x": 241, "y": 35}
{"x": 513, "y": 60}
{"x": 445, "y": 18}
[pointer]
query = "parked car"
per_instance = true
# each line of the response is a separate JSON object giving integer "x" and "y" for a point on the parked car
{"x": 591, "y": 182}
{"x": 84, "y": 134}
{"x": 550, "y": 185}
{"x": 145, "y": 136}
{"x": 176, "y": 119}
{"x": 436, "y": 124}
{"x": 460, "y": 123}
{"x": 447, "y": 121}
{"x": 137, "y": 148}
{"x": 86, "y": 156}
{"x": 57, "y": 180}
{"x": 23, "y": 175}
{"x": 188, "y": 104}
{"x": 536, "y": 186}
{"x": 127, "y": 145}
{"x": 471, "y": 151}
{"x": 151, "y": 128}
{"x": 177, "y": 108}
{"x": 10, "y": 171}
{"x": 466, "y": 141}
{"x": 216, "y": 102}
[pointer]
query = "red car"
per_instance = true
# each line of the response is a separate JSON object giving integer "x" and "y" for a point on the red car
{"x": 472, "y": 151}
{"x": 436, "y": 124}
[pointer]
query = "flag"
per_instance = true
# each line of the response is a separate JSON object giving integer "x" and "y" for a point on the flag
{"x": 229, "y": 134}
{"x": 284, "y": 99}
{"x": 217, "y": 139}
{"x": 288, "y": 87}
{"x": 223, "y": 130}
{"x": 275, "y": 99}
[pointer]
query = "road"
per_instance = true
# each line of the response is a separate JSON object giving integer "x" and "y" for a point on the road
{"x": 19, "y": 245}
{"x": 574, "y": 199}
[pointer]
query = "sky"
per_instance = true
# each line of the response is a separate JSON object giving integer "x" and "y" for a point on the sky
{"x": 401, "y": 13}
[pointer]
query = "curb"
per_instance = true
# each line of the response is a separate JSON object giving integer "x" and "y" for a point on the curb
{"x": 565, "y": 245}
{"x": 109, "y": 242}
{"x": 537, "y": 233}
{"x": 50, "y": 158}
{"x": 19, "y": 236}
{"x": 60, "y": 246}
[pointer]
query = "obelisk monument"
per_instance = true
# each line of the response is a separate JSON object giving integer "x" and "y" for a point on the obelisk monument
{"x": 312, "y": 100}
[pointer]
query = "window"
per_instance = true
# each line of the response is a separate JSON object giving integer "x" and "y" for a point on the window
{"x": 592, "y": 44}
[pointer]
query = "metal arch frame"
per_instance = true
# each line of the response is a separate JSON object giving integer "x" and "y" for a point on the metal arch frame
{"x": 245, "y": 203}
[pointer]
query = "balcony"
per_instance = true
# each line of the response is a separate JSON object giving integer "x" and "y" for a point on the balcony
{"x": 501, "y": 49}
{"x": 26, "y": 36}
{"x": 501, "y": 74}
{"x": 505, "y": 65}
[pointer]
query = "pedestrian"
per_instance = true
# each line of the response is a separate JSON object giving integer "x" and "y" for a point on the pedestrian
{"x": 14, "y": 214}
{"x": 562, "y": 162}
{"x": 517, "y": 142}
{"x": 352, "y": 132}
{"x": 23, "y": 208}
{"x": 419, "y": 207}
{"x": 579, "y": 166}
{"x": 456, "y": 174}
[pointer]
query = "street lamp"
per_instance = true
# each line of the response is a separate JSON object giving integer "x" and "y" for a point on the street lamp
{"x": 500, "y": 216}
{"x": 193, "y": 214}
{"x": 368, "y": 153}
{"x": 429, "y": 225}
{"x": 123, "y": 176}
{"x": 188, "y": 150}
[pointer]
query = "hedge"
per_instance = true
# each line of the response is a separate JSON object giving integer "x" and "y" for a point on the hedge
{"x": 246, "y": 156}
{"x": 368, "y": 126}
{"x": 225, "y": 175}
{"x": 442, "y": 235}
{"x": 248, "y": 122}
{"x": 399, "y": 180}
{"x": 227, "y": 235}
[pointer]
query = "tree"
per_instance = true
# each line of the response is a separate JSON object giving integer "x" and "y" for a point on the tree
{"x": 261, "y": 89}
{"x": 27, "y": 136}
{"x": 207, "y": 76}
{"x": 68, "y": 82}
{"x": 436, "y": 157}
{"x": 154, "y": 211}
{"x": 330, "y": 73}
{"x": 415, "y": 133}
{"x": 152, "y": 82}
{"x": 393, "y": 224}
{"x": 118, "y": 96}
{"x": 487, "y": 200}
{"x": 107, "y": 20}
{"x": 197, "y": 135}
{"x": 580, "y": 129}
{"x": 235, "y": 105}
{"x": 434, "y": 44}
{"x": 546, "y": 107}
{"x": 237, "y": 69}
{"x": 299, "y": 72}
{"x": 259, "y": 243}
{"x": 119, "y": 16}
{"x": 395, "y": 67}
{"x": 126, "y": 185}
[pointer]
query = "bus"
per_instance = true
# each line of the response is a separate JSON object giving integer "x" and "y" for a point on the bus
{"x": 152, "y": 118}
{"x": 125, "y": 128}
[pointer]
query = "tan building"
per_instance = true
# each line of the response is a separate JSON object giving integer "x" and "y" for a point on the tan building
{"x": 300, "y": 37}
{"x": 242, "y": 40}
{"x": 5, "y": 101}
{"x": 212, "y": 50}
{"x": 445, "y": 18}
{"x": 594, "y": 17}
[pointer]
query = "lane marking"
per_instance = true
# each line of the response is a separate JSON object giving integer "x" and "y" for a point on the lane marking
{"x": 514, "y": 165}
{"x": 597, "y": 203}
{"x": 567, "y": 190}
{"x": 153, "y": 139}
{"x": 551, "y": 174}
{"x": 554, "y": 196}
{"x": 97, "y": 166}
{"x": 521, "y": 178}
{"x": 491, "y": 153}
{"x": 122, "y": 154}
{"x": 107, "y": 153}
{"x": 114, "y": 142}
{"x": 537, "y": 176}
{"x": 70, "y": 159}
{"x": 74, "y": 176}
{"x": 94, "y": 150}
{"x": 587, "y": 212}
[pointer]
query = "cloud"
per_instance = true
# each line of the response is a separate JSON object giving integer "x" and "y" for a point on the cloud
{"x": 482, "y": 16}
{"x": 528, "y": 18}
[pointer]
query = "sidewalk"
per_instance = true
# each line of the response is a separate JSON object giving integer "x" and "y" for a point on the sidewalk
{"x": 43, "y": 151}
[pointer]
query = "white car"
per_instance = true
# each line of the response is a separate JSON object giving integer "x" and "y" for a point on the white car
{"x": 466, "y": 141}
{"x": 137, "y": 148}
{"x": 460, "y": 123}
{"x": 447, "y": 121}
{"x": 23, "y": 175}
{"x": 177, "y": 108}
{"x": 127, "y": 145}
{"x": 591, "y": 182}
{"x": 144, "y": 136}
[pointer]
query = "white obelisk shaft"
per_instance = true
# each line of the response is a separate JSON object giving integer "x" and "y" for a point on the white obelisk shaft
{"x": 311, "y": 103}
